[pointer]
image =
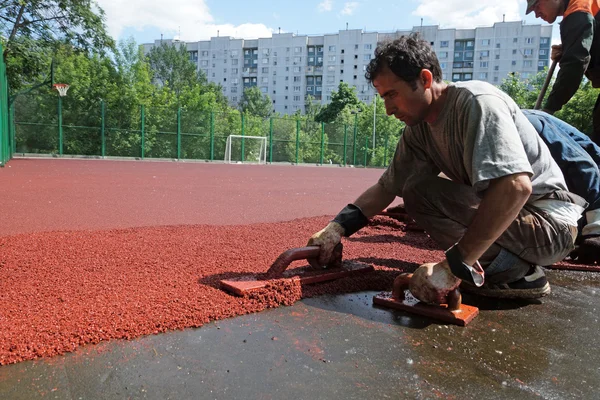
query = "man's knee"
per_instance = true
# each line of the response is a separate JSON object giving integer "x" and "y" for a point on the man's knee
{"x": 417, "y": 192}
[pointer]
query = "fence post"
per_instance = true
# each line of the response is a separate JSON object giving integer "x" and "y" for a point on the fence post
{"x": 13, "y": 127}
{"x": 366, "y": 149}
{"x": 243, "y": 130}
{"x": 345, "y": 142}
{"x": 60, "y": 127}
{"x": 354, "y": 145}
{"x": 143, "y": 113}
{"x": 212, "y": 136}
{"x": 102, "y": 128}
{"x": 297, "y": 139}
{"x": 322, "y": 140}
{"x": 271, "y": 140}
{"x": 178, "y": 133}
{"x": 387, "y": 136}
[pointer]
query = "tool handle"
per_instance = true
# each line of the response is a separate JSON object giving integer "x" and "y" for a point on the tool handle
{"x": 540, "y": 98}
{"x": 301, "y": 253}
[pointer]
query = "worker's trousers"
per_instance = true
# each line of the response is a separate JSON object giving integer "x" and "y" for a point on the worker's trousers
{"x": 445, "y": 209}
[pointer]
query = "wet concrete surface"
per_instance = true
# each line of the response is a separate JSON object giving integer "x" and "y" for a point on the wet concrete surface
{"x": 344, "y": 347}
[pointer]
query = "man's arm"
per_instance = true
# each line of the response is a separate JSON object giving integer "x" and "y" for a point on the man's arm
{"x": 501, "y": 203}
{"x": 374, "y": 200}
{"x": 577, "y": 33}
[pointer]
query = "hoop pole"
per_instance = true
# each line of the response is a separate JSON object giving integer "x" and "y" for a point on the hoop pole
{"x": 60, "y": 126}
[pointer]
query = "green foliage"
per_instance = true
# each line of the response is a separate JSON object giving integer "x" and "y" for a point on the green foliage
{"x": 31, "y": 30}
{"x": 577, "y": 112}
{"x": 254, "y": 102}
{"x": 345, "y": 98}
{"x": 172, "y": 67}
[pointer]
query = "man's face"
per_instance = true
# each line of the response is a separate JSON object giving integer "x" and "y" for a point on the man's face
{"x": 548, "y": 10}
{"x": 408, "y": 105}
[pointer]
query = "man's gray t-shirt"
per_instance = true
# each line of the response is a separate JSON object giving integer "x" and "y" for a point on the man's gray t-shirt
{"x": 480, "y": 135}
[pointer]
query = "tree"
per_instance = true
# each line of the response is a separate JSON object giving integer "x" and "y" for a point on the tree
{"x": 345, "y": 97}
{"x": 32, "y": 30}
{"x": 254, "y": 102}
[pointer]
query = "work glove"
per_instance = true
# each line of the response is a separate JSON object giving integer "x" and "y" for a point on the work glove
{"x": 556, "y": 53}
{"x": 327, "y": 239}
{"x": 431, "y": 283}
{"x": 588, "y": 250}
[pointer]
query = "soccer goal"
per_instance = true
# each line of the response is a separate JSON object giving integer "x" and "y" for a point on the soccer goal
{"x": 255, "y": 149}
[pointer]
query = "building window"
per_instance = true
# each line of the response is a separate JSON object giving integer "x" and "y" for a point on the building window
{"x": 484, "y": 64}
{"x": 265, "y": 70}
{"x": 205, "y": 53}
{"x": 265, "y": 60}
{"x": 296, "y": 69}
{"x": 513, "y": 62}
{"x": 331, "y": 48}
{"x": 527, "y": 64}
{"x": 544, "y": 41}
{"x": 528, "y": 52}
{"x": 543, "y": 52}
{"x": 514, "y": 51}
{"x": 485, "y": 42}
{"x": 296, "y": 88}
{"x": 541, "y": 63}
{"x": 444, "y": 43}
{"x": 485, "y": 53}
{"x": 529, "y": 40}
{"x": 515, "y": 40}
{"x": 443, "y": 54}
{"x": 368, "y": 46}
{"x": 455, "y": 76}
{"x": 331, "y": 58}
{"x": 443, "y": 65}
{"x": 297, "y": 50}
{"x": 468, "y": 77}
{"x": 483, "y": 75}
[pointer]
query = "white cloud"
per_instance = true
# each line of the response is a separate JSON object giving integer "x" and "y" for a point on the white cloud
{"x": 325, "y": 5}
{"x": 191, "y": 17}
{"x": 468, "y": 13}
{"x": 349, "y": 8}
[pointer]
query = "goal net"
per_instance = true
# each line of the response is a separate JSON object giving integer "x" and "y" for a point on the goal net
{"x": 254, "y": 149}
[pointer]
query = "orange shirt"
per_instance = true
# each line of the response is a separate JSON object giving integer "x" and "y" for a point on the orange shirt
{"x": 589, "y": 6}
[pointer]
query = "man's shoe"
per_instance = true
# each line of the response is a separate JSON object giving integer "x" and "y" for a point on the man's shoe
{"x": 532, "y": 286}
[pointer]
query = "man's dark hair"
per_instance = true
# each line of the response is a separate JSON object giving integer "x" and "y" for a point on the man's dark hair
{"x": 405, "y": 57}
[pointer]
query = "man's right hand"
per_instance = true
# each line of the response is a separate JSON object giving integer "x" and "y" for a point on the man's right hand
{"x": 327, "y": 239}
{"x": 556, "y": 53}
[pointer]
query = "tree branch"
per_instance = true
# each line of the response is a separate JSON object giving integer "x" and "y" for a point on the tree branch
{"x": 17, "y": 25}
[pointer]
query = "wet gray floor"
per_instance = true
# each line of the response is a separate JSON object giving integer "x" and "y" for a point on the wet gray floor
{"x": 342, "y": 347}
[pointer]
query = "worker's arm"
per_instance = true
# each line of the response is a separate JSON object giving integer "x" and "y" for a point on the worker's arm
{"x": 501, "y": 204}
{"x": 374, "y": 200}
{"x": 577, "y": 33}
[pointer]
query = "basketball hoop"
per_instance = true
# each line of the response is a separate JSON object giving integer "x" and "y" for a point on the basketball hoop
{"x": 62, "y": 88}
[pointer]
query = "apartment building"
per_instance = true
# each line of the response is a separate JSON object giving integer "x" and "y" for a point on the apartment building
{"x": 289, "y": 67}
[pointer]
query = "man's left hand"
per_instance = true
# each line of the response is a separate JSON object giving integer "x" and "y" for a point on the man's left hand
{"x": 431, "y": 283}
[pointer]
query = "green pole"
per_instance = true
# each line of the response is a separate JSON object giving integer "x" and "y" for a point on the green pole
{"x": 271, "y": 140}
{"x": 387, "y": 136}
{"x": 103, "y": 127}
{"x": 354, "y": 145}
{"x": 212, "y": 135}
{"x": 243, "y": 132}
{"x": 13, "y": 127}
{"x": 60, "y": 127}
{"x": 322, "y": 140}
{"x": 297, "y": 140}
{"x": 179, "y": 133}
{"x": 345, "y": 142}
{"x": 143, "y": 130}
{"x": 366, "y": 150}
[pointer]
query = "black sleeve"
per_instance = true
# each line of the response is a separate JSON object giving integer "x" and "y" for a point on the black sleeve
{"x": 577, "y": 33}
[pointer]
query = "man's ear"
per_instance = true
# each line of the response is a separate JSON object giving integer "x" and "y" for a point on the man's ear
{"x": 426, "y": 78}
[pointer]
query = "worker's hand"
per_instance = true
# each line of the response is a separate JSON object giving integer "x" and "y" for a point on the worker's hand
{"x": 556, "y": 53}
{"x": 397, "y": 209}
{"x": 327, "y": 239}
{"x": 588, "y": 251}
{"x": 431, "y": 283}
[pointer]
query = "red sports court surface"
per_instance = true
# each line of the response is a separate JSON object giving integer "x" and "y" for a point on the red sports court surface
{"x": 96, "y": 250}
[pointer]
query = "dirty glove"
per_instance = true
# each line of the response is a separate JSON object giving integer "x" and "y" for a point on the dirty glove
{"x": 556, "y": 53}
{"x": 327, "y": 239}
{"x": 431, "y": 282}
{"x": 588, "y": 250}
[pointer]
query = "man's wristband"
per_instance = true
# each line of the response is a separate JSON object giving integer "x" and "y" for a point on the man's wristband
{"x": 472, "y": 274}
{"x": 352, "y": 219}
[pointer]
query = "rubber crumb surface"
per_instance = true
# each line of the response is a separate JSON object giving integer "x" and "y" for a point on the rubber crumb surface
{"x": 61, "y": 290}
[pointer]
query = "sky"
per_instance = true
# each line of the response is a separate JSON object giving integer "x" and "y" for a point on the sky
{"x": 193, "y": 20}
